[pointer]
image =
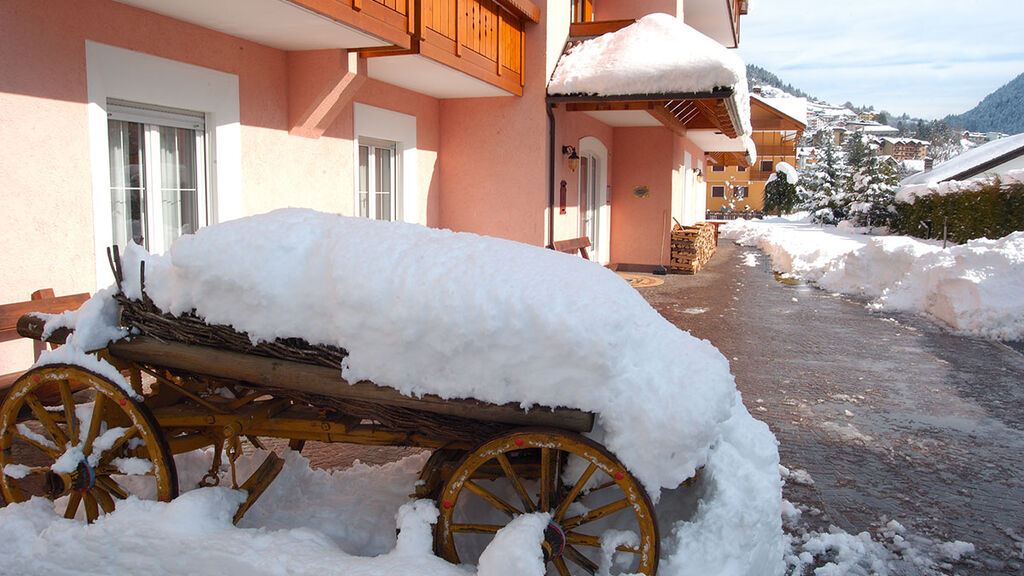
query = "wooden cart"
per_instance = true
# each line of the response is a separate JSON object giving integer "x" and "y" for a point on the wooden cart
{"x": 78, "y": 437}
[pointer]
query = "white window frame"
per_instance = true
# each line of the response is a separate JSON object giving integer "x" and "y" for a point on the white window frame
{"x": 595, "y": 148}
{"x": 396, "y": 203}
{"x": 374, "y": 124}
{"x": 117, "y": 74}
{"x": 152, "y": 118}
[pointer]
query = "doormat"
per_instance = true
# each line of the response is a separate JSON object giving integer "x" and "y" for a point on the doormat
{"x": 640, "y": 280}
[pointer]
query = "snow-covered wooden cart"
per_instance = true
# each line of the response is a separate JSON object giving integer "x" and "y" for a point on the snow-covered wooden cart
{"x": 87, "y": 438}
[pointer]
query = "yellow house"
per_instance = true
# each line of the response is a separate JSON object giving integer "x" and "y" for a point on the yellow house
{"x": 733, "y": 186}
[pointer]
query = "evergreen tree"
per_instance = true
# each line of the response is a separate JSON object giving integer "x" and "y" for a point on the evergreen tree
{"x": 872, "y": 198}
{"x": 780, "y": 195}
{"x": 822, "y": 187}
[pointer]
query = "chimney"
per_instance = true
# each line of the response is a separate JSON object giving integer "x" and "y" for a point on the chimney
{"x": 928, "y": 163}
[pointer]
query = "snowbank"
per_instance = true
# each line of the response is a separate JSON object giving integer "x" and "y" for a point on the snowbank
{"x": 459, "y": 315}
{"x": 973, "y": 287}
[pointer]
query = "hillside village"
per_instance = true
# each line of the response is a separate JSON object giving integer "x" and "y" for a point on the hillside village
{"x": 819, "y": 137}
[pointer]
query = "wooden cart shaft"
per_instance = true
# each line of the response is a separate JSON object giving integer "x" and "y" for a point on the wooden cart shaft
{"x": 310, "y": 379}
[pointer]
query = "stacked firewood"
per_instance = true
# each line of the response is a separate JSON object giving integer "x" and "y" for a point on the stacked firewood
{"x": 692, "y": 247}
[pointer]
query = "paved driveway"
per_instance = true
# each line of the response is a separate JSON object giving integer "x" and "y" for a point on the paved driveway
{"x": 893, "y": 417}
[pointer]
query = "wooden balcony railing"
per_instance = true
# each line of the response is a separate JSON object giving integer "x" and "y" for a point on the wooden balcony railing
{"x": 483, "y": 38}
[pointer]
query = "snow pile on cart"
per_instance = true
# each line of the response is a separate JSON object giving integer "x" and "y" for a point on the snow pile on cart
{"x": 430, "y": 311}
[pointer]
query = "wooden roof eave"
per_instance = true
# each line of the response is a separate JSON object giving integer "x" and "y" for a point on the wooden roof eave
{"x": 677, "y": 111}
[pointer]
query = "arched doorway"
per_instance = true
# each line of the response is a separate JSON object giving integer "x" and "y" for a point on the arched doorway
{"x": 593, "y": 201}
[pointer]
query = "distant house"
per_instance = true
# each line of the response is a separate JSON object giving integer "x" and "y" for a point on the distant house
{"x": 778, "y": 124}
{"x": 991, "y": 159}
{"x": 905, "y": 148}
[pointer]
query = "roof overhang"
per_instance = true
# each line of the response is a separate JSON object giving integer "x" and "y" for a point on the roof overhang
{"x": 679, "y": 112}
{"x": 717, "y": 19}
{"x": 281, "y": 25}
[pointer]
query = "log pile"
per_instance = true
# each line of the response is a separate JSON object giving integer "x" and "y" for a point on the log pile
{"x": 692, "y": 247}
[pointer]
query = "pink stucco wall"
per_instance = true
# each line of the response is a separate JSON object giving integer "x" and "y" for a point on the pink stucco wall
{"x": 643, "y": 157}
{"x": 570, "y": 128}
{"x": 46, "y": 225}
{"x": 629, "y": 9}
{"x": 494, "y": 159}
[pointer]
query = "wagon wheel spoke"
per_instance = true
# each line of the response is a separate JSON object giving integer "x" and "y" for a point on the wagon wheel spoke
{"x": 111, "y": 486}
{"x": 70, "y": 418}
{"x": 595, "y": 514}
{"x": 546, "y": 478}
{"x": 104, "y": 499}
{"x": 580, "y": 560}
{"x": 94, "y": 423}
{"x": 563, "y": 570}
{"x": 74, "y": 499}
{"x": 112, "y": 452}
{"x": 50, "y": 451}
{"x": 575, "y": 492}
{"x": 492, "y": 499}
{"x": 595, "y": 542}
{"x": 513, "y": 478}
{"x": 44, "y": 418}
{"x": 476, "y": 528}
{"x": 92, "y": 509}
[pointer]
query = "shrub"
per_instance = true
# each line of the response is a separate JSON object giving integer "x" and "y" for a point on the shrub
{"x": 989, "y": 210}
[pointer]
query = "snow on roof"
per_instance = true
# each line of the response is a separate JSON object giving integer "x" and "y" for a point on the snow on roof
{"x": 657, "y": 54}
{"x": 795, "y": 108}
{"x": 786, "y": 168}
{"x": 896, "y": 140}
{"x": 965, "y": 164}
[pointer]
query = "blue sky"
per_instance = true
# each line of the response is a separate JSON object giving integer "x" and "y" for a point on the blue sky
{"x": 927, "y": 59}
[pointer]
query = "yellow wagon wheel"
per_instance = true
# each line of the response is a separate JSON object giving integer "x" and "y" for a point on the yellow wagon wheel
{"x": 601, "y": 517}
{"x": 71, "y": 435}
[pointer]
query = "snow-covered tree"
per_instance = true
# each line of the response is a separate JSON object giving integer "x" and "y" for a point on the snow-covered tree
{"x": 780, "y": 194}
{"x": 872, "y": 198}
{"x": 822, "y": 190}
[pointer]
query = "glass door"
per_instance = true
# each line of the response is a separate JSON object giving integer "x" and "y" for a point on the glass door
{"x": 589, "y": 202}
{"x": 377, "y": 176}
{"x": 157, "y": 175}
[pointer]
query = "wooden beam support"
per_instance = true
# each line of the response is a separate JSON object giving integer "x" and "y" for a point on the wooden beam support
{"x": 320, "y": 84}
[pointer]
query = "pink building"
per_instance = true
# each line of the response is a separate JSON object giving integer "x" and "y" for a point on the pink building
{"x": 145, "y": 119}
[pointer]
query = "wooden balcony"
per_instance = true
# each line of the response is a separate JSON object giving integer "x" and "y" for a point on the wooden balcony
{"x": 482, "y": 38}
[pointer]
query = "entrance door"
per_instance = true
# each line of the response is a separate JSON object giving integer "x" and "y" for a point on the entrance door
{"x": 377, "y": 175}
{"x": 590, "y": 203}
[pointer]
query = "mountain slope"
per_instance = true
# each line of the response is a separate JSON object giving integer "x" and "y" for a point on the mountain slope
{"x": 757, "y": 76}
{"x": 1000, "y": 111}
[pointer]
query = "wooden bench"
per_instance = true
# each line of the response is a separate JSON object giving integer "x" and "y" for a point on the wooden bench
{"x": 572, "y": 245}
{"x": 43, "y": 301}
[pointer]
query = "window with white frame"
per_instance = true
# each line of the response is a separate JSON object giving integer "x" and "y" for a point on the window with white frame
{"x": 157, "y": 173}
{"x": 741, "y": 191}
{"x": 378, "y": 176}
{"x": 718, "y": 191}
{"x": 717, "y": 168}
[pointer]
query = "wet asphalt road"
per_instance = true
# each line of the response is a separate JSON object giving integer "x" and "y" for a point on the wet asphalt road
{"x": 893, "y": 417}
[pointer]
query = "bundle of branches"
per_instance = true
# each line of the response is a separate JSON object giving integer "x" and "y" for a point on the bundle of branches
{"x": 142, "y": 316}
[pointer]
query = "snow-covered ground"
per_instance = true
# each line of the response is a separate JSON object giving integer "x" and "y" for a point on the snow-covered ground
{"x": 977, "y": 287}
{"x": 425, "y": 311}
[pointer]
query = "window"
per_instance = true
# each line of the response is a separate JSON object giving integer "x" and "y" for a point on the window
{"x": 766, "y": 165}
{"x": 157, "y": 162}
{"x": 741, "y": 168}
{"x": 741, "y": 191}
{"x": 718, "y": 191}
{"x": 378, "y": 198}
{"x": 717, "y": 168}
{"x": 582, "y": 10}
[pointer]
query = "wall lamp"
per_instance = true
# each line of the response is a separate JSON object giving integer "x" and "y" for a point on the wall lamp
{"x": 574, "y": 158}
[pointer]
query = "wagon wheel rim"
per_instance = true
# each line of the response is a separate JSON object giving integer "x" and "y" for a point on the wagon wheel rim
{"x": 85, "y": 453}
{"x": 528, "y": 471}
